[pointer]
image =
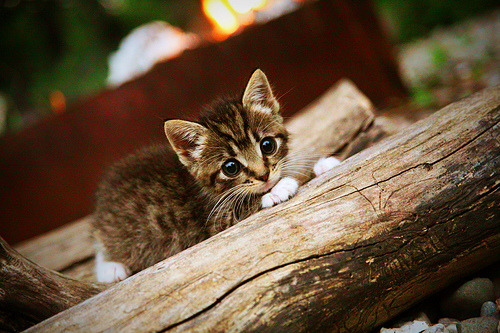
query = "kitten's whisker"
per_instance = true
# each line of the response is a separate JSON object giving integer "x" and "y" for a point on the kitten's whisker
{"x": 220, "y": 203}
{"x": 303, "y": 156}
{"x": 241, "y": 201}
{"x": 231, "y": 203}
{"x": 299, "y": 163}
{"x": 286, "y": 93}
{"x": 299, "y": 175}
{"x": 227, "y": 202}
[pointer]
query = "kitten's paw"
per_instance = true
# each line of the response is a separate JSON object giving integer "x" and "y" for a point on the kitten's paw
{"x": 281, "y": 192}
{"x": 110, "y": 271}
{"x": 324, "y": 164}
{"x": 269, "y": 200}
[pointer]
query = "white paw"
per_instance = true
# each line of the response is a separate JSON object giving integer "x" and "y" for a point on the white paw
{"x": 110, "y": 271}
{"x": 324, "y": 164}
{"x": 284, "y": 190}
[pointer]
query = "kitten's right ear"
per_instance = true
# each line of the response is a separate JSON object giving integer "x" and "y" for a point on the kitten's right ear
{"x": 187, "y": 139}
{"x": 258, "y": 92}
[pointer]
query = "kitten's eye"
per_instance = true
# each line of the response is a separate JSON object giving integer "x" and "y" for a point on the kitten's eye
{"x": 231, "y": 167}
{"x": 268, "y": 145}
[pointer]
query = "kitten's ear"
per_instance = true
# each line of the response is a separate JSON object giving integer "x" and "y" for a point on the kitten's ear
{"x": 258, "y": 92}
{"x": 187, "y": 139}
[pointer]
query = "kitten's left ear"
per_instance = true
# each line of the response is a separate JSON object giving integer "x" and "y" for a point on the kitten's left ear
{"x": 187, "y": 139}
{"x": 258, "y": 92}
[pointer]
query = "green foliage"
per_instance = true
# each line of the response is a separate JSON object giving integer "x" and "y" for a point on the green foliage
{"x": 422, "y": 96}
{"x": 53, "y": 45}
{"x": 439, "y": 56}
{"x": 414, "y": 18}
{"x": 133, "y": 13}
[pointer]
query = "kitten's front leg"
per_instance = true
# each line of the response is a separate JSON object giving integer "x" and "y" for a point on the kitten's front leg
{"x": 288, "y": 186}
{"x": 282, "y": 191}
{"x": 324, "y": 164}
{"x": 109, "y": 271}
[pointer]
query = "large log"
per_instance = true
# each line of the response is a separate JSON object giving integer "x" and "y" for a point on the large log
{"x": 346, "y": 117}
{"x": 356, "y": 246}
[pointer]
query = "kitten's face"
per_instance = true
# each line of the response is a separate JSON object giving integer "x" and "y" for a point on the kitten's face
{"x": 244, "y": 148}
{"x": 238, "y": 145}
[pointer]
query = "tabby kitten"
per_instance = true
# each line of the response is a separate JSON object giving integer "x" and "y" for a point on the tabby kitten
{"x": 214, "y": 173}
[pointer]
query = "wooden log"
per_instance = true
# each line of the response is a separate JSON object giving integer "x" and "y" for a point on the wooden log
{"x": 30, "y": 293}
{"x": 62, "y": 248}
{"x": 346, "y": 117}
{"x": 356, "y": 246}
{"x": 69, "y": 249}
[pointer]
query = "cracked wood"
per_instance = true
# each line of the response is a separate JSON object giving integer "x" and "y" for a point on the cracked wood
{"x": 356, "y": 246}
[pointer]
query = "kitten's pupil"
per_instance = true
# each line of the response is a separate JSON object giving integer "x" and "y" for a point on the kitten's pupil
{"x": 268, "y": 146}
{"x": 231, "y": 167}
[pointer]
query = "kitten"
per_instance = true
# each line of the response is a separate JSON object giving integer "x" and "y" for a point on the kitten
{"x": 216, "y": 172}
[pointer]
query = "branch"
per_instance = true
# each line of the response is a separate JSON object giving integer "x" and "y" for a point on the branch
{"x": 30, "y": 293}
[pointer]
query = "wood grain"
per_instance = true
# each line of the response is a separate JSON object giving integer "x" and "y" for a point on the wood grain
{"x": 62, "y": 248}
{"x": 30, "y": 293}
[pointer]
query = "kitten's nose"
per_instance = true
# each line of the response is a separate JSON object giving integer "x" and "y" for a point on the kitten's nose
{"x": 264, "y": 177}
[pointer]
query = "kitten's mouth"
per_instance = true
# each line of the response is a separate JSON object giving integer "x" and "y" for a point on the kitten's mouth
{"x": 268, "y": 185}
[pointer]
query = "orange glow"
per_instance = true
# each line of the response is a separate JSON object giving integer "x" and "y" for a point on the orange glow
{"x": 245, "y": 6}
{"x": 57, "y": 102}
{"x": 221, "y": 16}
{"x": 228, "y": 15}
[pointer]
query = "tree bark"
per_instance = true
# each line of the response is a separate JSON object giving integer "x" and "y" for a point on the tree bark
{"x": 355, "y": 247}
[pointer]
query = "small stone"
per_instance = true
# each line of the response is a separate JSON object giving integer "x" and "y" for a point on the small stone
{"x": 447, "y": 321}
{"x": 467, "y": 300}
{"x": 489, "y": 309}
{"x": 411, "y": 327}
{"x": 422, "y": 316}
{"x": 451, "y": 328}
{"x": 438, "y": 328}
{"x": 478, "y": 325}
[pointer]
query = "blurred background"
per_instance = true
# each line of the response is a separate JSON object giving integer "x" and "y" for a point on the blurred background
{"x": 84, "y": 82}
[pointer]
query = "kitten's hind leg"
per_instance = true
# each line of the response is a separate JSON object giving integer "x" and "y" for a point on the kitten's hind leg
{"x": 324, "y": 164}
{"x": 284, "y": 190}
{"x": 109, "y": 271}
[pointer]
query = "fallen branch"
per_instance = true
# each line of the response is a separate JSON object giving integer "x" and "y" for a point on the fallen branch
{"x": 30, "y": 293}
{"x": 358, "y": 245}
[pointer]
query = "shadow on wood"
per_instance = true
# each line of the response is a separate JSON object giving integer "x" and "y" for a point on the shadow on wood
{"x": 30, "y": 293}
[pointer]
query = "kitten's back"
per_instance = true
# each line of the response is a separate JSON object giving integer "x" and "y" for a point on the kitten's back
{"x": 148, "y": 207}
